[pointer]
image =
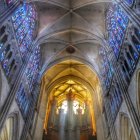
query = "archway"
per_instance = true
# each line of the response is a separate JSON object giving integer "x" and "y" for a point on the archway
{"x": 8, "y": 131}
{"x": 127, "y": 132}
{"x": 71, "y": 78}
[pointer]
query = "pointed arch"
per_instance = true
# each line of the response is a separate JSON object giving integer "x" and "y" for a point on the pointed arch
{"x": 10, "y": 128}
{"x": 126, "y": 130}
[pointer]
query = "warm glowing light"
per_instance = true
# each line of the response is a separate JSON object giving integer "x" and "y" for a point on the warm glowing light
{"x": 77, "y": 106}
{"x": 65, "y": 106}
{"x": 72, "y": 95}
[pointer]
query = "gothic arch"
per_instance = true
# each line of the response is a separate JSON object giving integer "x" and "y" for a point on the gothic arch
{"x": 61, "y": 77}
{"x": 15, "y": 116}
{"x": 10, "y": 128}
{"x": 62, "y": 59}
{"x": 126, "y": 130}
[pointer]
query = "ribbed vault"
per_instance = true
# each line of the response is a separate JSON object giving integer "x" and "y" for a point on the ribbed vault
{"x": 70, "y": 35}
{"x": 68, "y": 23}
{"x": 61, "y": 91}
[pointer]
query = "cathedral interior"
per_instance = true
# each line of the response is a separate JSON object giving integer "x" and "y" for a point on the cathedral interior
{"x": 69, "y": 70}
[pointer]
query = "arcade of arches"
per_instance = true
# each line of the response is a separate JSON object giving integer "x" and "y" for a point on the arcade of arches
{"x": 69, "y": 70}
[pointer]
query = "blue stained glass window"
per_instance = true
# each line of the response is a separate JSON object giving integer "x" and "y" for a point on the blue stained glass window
{"x": 3, "y": 59}
{"x": 137, "y": 32}
{"x": 24, "y": 22}
{"x": 2, "y": 54}
{"x": 134, "y": 53}
{"x": 107, "y": 68}
{"x": 117, "y": 23}
{"x": 33, "y": 68}
{"x": 136, "y": 41}
{"x": 22, "y": 99}
{"x": 109, "y": 75}
{"x": 138, "y": 47}
{"x": 129, "y": 2}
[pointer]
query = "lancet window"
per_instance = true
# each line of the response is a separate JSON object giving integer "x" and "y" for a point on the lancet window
{"x": 9, "y": 59}
{"x": 116, "y": 21}
{"x": 106, "y": 68}
{"x": 129, "y": 2}
{"x": 32, "y": 69}
{"x": 23, "y": 100}
{"x": 24, "y": 22}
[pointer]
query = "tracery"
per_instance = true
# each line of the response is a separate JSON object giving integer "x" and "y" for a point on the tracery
{"x": 117, "y": 22}
{"x": 24, "y": 22}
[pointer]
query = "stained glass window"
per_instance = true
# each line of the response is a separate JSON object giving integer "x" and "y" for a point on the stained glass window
{"x": 107, "y": 68}
{"x": 23, "y": 95}
{"x": 4, "y": 60}
{"x": 23, "y": 100}
{"x": 33, "y": 68}
{"x": 9, "y": 59}
{"x": 117, "y": 22}
{"x": 77, "y": 108}
{"x": 131, "y": 59}
{"x": 24, "y": 22}
{"x": 129, "y": 2}
{"x": 5, "y": 53}
{"x": 132, "y": 56}
{"x": 136, "y": 39}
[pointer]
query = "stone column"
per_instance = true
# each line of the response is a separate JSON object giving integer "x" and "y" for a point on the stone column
{"x": 52, "y": 113}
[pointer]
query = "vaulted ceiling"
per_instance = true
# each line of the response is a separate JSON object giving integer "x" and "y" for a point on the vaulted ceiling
{"x": 71, "y": 29}
{"x": 71, "y": 75}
